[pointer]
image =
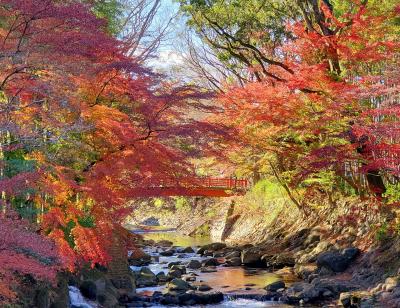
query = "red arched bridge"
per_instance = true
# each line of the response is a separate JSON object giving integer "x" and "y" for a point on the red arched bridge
{"x": 196, "y": 186}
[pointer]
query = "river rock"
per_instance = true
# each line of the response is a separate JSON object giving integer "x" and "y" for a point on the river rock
{"x": 303, "y": 271}
{"x": 171, "y": 264}
{"x": 145, "y": 278}
{"x": 337, "y": 261}
{"x": 180, "y": 267}
{"x": 311, "y": 256}
{"x": 195, "y": 298}
{"x": 161, "y": 277}
{"x": 178, "y": 285}
{"x": 251, "y": 256}
{"x": 139, "y": 259}
{"x": 167, "y": 253}
{"x": 194, "y": 264}
{"x": 187, "y": 250}
{"x": 296, "y": 239}
{"x": 169, "y": 299}
{"x": 176, "y": 271}
{"x": 204, "y": 288}
{"x": 318, "y": 290}
{"x": 275, "y": 286}
{"x": 354, "y": 299}
{"x": 210, "y": 262}
{"x": 107, "y": 292}
{"x": 211, "y": 248}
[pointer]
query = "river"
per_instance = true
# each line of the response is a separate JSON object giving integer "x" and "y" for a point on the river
{"x": 241, "y": 286}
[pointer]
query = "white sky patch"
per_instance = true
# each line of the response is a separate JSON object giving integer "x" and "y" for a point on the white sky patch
{"x": 169, "y": 58}
{"x": 167, "y": 62}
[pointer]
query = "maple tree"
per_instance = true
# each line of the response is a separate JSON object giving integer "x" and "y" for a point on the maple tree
{"x": 77, "y": 139}
{"x": 84, "y": 126}
{"x": 313, "y": 127}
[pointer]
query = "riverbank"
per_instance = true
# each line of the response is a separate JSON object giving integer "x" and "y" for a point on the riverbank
{"x": 347, "y": 259}
{"x": 333, "y": 277}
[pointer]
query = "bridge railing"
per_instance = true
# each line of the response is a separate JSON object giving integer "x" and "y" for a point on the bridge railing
{"x": 205, "y": 182}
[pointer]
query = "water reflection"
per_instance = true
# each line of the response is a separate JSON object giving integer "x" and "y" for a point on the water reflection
{"x": 231, "y": 281}
{"x": 173, "y": 236}
{"x": 239, "y": 280}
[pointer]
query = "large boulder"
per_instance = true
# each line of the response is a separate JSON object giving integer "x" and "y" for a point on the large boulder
{"x": 109, "y": 296}
{"x": 211, "y": 248}
{"x": 318, "y": 290}
{"x": 88, "y": 289}
{"x": 251, "y": 256}
{"x": 311, "y": 256}
{"x": 337, "y": 261}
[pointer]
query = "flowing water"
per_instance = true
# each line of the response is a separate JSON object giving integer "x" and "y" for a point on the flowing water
{"x": 158, "y": 234}
{"x": 240, "y": 285}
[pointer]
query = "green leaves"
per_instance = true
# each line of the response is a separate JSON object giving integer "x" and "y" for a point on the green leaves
{"x": 392, "y": 193}
{"x": 16, "y": 163}
{"x": 87, "y": 221}
{"x": 238, "y": 30}
{"x": 111, "y": 10}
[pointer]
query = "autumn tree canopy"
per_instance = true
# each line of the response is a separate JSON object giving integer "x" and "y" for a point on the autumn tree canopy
{"x": 318, "y": 111}
{"x": 306, "y": 92}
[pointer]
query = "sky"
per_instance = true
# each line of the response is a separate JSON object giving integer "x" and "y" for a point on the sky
{"x": 170, "y": 53}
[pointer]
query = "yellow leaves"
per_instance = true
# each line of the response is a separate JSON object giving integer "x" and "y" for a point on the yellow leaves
{"x": 102, "y": 113}
{"x": 37, "y": 156}
{"x": 112, "y": 127}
